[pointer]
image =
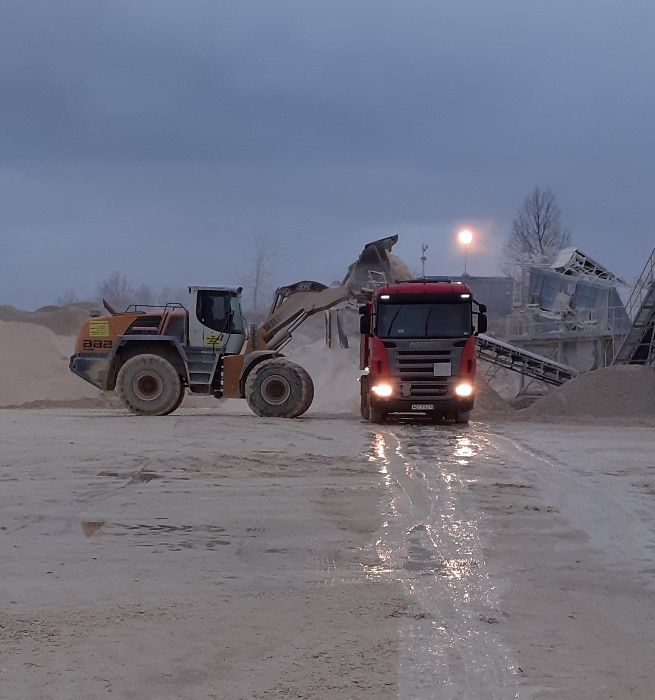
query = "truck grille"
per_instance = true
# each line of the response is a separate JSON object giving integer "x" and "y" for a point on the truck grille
{"x": 415, "y": 369}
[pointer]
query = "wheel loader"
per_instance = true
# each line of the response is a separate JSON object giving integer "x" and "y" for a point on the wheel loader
{"x": 151, "y": 356}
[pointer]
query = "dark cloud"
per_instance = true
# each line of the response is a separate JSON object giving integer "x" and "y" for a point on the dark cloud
{"x": 158, "y": 138}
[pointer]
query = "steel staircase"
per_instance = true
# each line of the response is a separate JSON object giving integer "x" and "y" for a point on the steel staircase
{"x": 202, "y": 365}
{"x": 638, "y": 346}
{"x": 496, "y": 352}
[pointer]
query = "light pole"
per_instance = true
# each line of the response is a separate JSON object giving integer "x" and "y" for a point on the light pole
{"x": 465, "y": 237}
{"x": 424, "y": 257}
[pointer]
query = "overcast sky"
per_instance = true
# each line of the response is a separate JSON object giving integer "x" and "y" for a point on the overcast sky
{"x": 157, "y": 138}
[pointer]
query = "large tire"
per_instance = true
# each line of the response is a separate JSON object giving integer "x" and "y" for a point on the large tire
{"x": 308, "y": 389}
{"x": 463, "y": 417}
{"x": 180, "y": 398}
{"x": 277, "y": 388}
{"x": 308, "y": 385}
{"x": 149, "y": 385}
{"x": 363, "y": 398}
{"x": 375, "y": 415}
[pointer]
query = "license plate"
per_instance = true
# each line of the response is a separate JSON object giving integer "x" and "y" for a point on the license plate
{"x": 422, "y": 407}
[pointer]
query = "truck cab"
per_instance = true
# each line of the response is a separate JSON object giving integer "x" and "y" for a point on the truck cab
{"x": 417, "y": 351}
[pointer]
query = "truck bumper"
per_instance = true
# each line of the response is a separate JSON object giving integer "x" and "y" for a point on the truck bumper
{"x": 93, "y": 367}
{"x": 434, "y": 407}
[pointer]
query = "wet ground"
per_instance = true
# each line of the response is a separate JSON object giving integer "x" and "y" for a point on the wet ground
{"x": 226, "y": 556}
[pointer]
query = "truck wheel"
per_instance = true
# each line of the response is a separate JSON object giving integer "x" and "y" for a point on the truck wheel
{"x": 149, "y": 385}
{"x": 375, "y": 415}
{"x": 277, "y": 388}
{"x": 363, "y": 398}
{"x": 463, "y": 417}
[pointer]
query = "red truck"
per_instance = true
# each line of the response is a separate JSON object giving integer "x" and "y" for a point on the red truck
{"x": 417, "y": 350}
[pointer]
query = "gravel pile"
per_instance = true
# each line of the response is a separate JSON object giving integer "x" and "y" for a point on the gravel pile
{"x": 621, "y": 392}
{"x": 488, "y": 402}
{"x": 34, "y": 366}
{"x": 63, "y": 320}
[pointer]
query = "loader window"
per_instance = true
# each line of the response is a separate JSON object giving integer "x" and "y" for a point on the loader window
{"x": 213, "y": 310}
{"x": 237, "y": 318}
{"x": 415, "y": 320}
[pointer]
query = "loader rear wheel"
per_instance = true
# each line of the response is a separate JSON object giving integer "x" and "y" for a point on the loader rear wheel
{"x": 180, "y": 397}
{"x": 149, "y": 385}
{"x": 277, "y": 388}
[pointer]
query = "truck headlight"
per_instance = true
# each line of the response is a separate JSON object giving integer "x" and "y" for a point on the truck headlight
{"x": 464, "y": 389}
{"x": 384, "y": 391}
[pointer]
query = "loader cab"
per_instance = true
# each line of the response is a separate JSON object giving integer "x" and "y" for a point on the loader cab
{"x": 216, "y": 320}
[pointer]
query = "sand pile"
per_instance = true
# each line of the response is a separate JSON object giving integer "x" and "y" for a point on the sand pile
{"x": 34, "y": 367}
{"x": 64, "y": 320}
{"x": 619, "y": 392}
{"x": 334, "y": 373}
{"x": 399, "y": 269}
{"x": 488, "y": 402}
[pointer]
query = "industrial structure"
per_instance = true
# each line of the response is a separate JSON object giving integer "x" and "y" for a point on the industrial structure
{"x": 569, "y": 318}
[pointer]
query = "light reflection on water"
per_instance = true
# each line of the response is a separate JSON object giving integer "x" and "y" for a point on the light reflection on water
{"x": 431, "y": 545}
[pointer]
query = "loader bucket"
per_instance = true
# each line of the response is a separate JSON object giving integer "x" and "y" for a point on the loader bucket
{"x": 372, "y": 268}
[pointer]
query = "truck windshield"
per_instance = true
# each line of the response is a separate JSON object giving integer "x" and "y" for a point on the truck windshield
{"x": 445, "y": 320}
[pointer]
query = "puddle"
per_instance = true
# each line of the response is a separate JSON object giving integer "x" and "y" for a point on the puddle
{"x": 92, "y": 527}
{"x": 140, "y": 476}
{"x": 431, "y": 543}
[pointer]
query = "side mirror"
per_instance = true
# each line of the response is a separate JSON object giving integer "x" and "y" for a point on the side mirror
{"x": 365, "y": 324}
{"x": 482, "y": 322}
{"x": 483, "y": 308}
{"x": 363, "y": 310}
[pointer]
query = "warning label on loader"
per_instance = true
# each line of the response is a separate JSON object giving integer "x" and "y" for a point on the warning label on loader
{"x": 99, "y": 329}
{"x": 214, "y": 341}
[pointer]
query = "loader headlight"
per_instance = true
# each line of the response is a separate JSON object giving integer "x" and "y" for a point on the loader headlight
{"x": 384, "y": 391}
{"x": 464, "y": 389}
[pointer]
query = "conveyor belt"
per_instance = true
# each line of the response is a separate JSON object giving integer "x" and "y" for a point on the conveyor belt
{"x": 522, "y": 361}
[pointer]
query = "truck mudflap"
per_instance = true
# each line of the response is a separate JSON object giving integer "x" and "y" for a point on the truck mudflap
{"x": 93, "y": 367}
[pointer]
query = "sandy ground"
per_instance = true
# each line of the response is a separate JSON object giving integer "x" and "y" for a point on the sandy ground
{"x": 215, "y": 555}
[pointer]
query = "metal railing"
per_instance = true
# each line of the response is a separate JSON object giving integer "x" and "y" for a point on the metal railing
{"x": 642, "y": 288}
{"x": 637, "y": 344}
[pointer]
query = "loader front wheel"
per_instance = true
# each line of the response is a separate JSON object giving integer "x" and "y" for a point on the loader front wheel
{"x": 277, "y": 388}
{"x": 308, "y": 389}
{"x": 149, "y": 385}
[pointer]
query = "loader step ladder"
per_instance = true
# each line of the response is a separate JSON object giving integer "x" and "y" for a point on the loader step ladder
{"x": 511, "y": 357}
{"x": 637, "y": 347}
{"x": 202, "y": 366}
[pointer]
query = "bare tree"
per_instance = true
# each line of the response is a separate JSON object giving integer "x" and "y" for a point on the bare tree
{"x": 258, "y": 277}
{"x": 537, "y": 232}
{"x": 67, "y": 298}
{"x": 144, "y": 294}
{"x": 117, "y": 290}
{"x": 169, "y": 295}
{"x": 120, "y": 292}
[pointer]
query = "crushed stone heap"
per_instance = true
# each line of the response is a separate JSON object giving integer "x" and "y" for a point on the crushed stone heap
{"x": 621, "y": 391}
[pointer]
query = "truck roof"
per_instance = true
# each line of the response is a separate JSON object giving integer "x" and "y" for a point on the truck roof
{"x": 426, "y": 286}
